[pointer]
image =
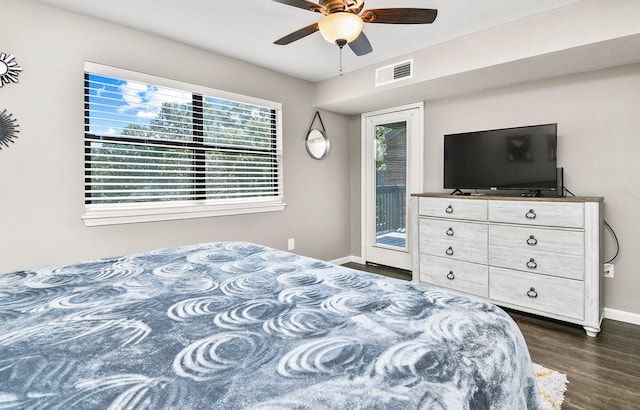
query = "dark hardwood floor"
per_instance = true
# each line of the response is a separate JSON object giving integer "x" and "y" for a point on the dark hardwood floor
{"x": 603, "y": 371}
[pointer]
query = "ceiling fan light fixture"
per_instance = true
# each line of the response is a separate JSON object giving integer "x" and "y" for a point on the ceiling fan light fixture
{"x": 340, "y": 26}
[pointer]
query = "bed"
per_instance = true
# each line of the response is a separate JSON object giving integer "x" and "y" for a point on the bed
{"x": 235, "y": 325}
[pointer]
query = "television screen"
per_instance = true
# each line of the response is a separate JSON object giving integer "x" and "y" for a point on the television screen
{"x": 510, "y": 158}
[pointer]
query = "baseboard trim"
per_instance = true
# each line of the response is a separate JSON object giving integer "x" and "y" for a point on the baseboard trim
{"x": 622, "y": 316}
{"x": 348, "y": 259}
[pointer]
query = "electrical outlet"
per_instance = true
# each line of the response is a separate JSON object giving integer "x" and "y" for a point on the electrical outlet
{"x": 608, "y": 270}
{"x": 292, "y": 244}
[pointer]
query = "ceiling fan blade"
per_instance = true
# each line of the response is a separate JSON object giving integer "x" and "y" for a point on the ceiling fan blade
{"x": 400, "y": 16}
{"x": 361, "y": 45}
{"x": 302, "y": 4}
{"x": 297, "y": 35}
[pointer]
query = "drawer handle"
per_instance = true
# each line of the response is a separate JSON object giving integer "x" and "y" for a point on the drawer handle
{"x": 449, "y": 251}
{"x": 532, "y": 241}
{"x": 531, "y": 214}
{"x": 449, "y": 209}
{"x": 450, "y": 232}
{"x": 450, "y": 275}
{"x": 532, "y": 264}
{"x": 532, "y": 293}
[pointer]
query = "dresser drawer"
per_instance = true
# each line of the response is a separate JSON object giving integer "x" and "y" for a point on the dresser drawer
{"x": 455, "y": 231}
{"x": 457, "y": 240}
{"x": 460, "y": 276}
{"x": 525, "y": 239}
{"x": 455, "y": 208}
{"x": 537, "y": 262}
{"x": 557, "y": 296}
{"x": 562, "y": 214}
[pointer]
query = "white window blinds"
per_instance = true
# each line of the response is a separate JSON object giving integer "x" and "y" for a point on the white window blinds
{"x": 152, "y": 141}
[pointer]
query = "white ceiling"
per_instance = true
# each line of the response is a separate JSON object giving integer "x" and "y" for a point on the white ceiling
{"x": 246, "y": 29}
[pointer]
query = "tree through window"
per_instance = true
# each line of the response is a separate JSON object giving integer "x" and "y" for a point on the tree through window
{"x": 148, "y": 143}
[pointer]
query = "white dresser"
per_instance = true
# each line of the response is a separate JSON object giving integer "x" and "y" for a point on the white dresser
{"x": 538, "y": 255}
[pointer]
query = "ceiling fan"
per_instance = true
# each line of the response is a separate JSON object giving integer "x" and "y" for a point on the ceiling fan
{"x": 343, "y": 21}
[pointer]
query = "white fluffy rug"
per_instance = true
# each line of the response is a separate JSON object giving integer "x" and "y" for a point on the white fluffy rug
{"x": 551, "y": 387}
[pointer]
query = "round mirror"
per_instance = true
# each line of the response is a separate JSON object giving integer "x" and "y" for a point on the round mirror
{"x": 4, "y": 68}
{"x": 317, "y": 144}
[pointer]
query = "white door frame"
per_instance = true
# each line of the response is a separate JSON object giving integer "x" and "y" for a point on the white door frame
{"x": 415, "y": 175}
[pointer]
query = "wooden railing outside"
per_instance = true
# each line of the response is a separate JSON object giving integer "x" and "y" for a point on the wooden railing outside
{"x": 390, "y": 208}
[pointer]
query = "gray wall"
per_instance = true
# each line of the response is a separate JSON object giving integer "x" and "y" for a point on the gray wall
{"x": 598, "y": 146}
{"x": 523, "y": 73}
{"x": 41, "y": 175}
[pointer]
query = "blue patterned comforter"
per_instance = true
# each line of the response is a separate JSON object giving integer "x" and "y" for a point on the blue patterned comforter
{"x": 237, "y": 325}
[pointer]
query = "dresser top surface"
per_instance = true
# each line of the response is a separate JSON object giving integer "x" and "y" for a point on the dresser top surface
{"x": 511, "y": 198}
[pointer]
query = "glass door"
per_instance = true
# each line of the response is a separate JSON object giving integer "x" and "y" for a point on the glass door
{"x": 392, "y": 170}
{"x": 391, "y": 185}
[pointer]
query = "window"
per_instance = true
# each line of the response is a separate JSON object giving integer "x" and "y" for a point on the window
{"x": 158, "y": 149}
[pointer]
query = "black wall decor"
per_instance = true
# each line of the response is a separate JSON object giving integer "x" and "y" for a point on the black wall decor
{"x": 8, "y": 128}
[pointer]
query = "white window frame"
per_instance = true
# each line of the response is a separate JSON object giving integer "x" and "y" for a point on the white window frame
{"x": 122, "y": 213}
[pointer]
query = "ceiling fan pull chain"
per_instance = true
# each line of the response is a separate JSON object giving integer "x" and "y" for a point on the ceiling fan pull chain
{"x": 341, "y": 43}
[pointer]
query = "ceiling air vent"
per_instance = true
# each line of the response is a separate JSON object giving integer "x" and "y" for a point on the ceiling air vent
{"x": 394, "y": 72}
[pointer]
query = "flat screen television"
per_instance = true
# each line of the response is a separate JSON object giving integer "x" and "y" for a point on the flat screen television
{"x": 521, "y": 158}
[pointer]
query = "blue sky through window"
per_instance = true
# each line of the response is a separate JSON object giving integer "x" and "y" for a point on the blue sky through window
{"x": 116, "y": 103}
